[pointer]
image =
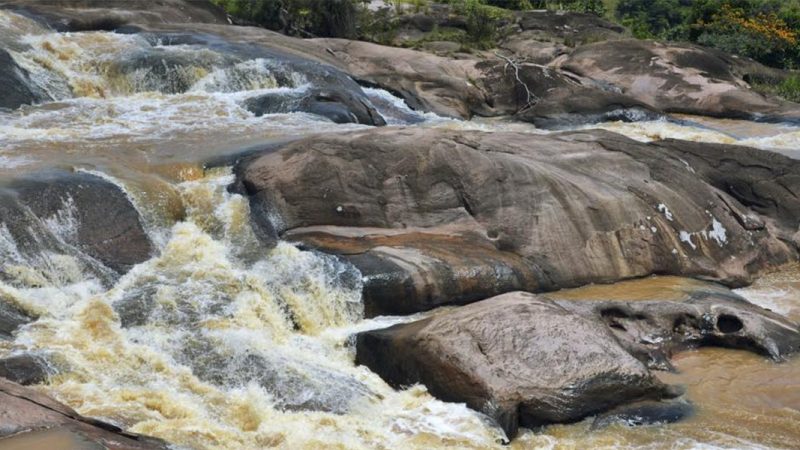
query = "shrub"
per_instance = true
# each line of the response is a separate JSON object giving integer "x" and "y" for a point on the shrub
{"x": 588, "y": 6}
{"x": 789, "y": 89}
{"x": 762, "y": 36}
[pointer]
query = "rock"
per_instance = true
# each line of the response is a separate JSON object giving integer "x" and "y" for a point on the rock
{"x": 25, "y": 369}
{"x": 438, "y": 216}
{"x": 527, "y": 360}
{"x": 412, "y": 271}
{"x": 426, "y": 82}
{"x": 24, "y": 410}
{"x": 645, "y": 413}
{"x": 574, "y": 107}
{"x": 336, "y": 106}
{"x": 442, "y": 48}
{"x": 571, "y": 28}
{"x": 653, "y": 331}
{"x": 75, "y": 214}
{"x": 675, "y": 78}
{"x": 109, "y": 15}
{"x": 294, "y": 384}
{"x": 757, "y": 179}
{"x": 487, "y": 85}
{"x": 519, "y": 359}
{"x": 17, "y": 88}
{"x": 11, "y": 318}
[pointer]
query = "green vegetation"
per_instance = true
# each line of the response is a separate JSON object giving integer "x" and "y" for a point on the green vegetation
{"x": 588, "y": 6}
{"x": 483, "y": 21}
{"x": 765, "y": 30}
{"x": 789, "y": 89}
{"x": 310, "y": 18}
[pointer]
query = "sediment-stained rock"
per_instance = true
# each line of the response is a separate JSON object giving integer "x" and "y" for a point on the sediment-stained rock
{"x": 520, "y": 360}
{"x": 549, "y": 211}
{"x": 24, "y": 410}
{"x": 527, "y": 360}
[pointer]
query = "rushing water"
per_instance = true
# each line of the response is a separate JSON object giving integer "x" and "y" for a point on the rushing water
{"x": 235, "y": 342}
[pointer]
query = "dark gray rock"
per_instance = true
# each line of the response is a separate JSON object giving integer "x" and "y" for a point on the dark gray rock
{"x": 295, "y": 384}
{"x": 84, "y": 211}
{"x": 338, "y": 106}
{"x": 645, "y": 413}
{"x": 26, "y": 369}
{"x": 16, "y": 86}
{"x": 11, "y": 318}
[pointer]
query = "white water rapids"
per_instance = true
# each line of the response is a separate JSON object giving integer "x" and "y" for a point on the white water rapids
{"x": 216, "y": 342}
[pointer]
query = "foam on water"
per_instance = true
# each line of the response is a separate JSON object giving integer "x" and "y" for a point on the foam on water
{"x": 785, "y": 137}
{"x": 286, "y": 313}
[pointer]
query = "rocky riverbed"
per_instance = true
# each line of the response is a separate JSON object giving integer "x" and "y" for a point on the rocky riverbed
{"x": 215, "y": 236}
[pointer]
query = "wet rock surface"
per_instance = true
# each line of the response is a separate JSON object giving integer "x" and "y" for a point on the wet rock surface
{"x": 25, "y": 369}
{"x": 11, "y": 318}
{"x": 24, "y": 410}
{"x": 75, "y": 214}
{"x": 645, "y": 413}
{"x": 294, "y": 385}
{"x": 407, "y": 272}
{"x": 404, "y": 204}
{"x": 339, "y": 107}
{"x": 16, "y": 86}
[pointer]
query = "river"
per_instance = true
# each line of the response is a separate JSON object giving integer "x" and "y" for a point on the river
{"x": 221, "y": 300}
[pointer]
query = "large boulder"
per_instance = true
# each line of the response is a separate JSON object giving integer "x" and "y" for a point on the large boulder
{"x": 75, "y": 214}
{"x": 678, "y": 78}
{"x": 24, "y": 410}
{"x": 520, "y": 360}
{"x": 527, "y": 360}
{"x": 439, "y": 216}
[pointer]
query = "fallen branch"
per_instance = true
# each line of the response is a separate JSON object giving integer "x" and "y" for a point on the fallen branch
{"x": 531, "y": 99}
